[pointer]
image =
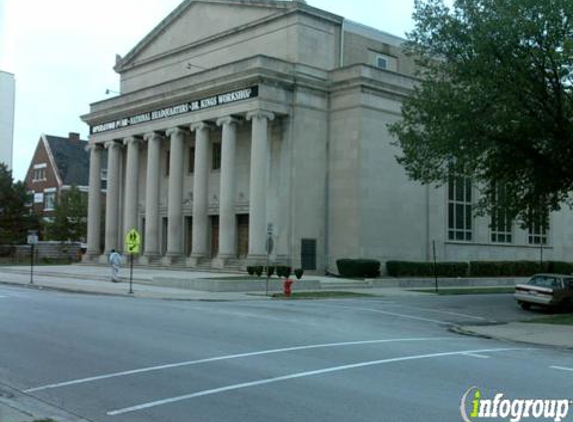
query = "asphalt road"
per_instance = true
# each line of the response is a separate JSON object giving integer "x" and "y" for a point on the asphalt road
{"x": 123, "y": 359}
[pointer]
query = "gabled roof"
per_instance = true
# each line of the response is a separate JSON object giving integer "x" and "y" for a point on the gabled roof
{"x": 71, "y": 160}
{"x": 283, "y": 6}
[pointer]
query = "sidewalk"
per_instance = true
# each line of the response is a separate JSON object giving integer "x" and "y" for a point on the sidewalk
{"x": 96, "y": 280}
{"x": 151, "y": 282}
{"x": 524, "y": 332}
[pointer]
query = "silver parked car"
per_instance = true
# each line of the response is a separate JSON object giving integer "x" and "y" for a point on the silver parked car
{"x": 547, "y": 290}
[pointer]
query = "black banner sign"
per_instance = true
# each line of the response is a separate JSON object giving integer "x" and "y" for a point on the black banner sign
{"x": 189, "y": 107}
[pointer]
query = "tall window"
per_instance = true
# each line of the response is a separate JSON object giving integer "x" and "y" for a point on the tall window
{"x": 501, "y": 221}
{"x": 538, "y": 228}
{"x": 49, "y": 201}
{"x": 39, "y": 175}
{"x": 216, "y": 156}
{"x": 459, "y": 208}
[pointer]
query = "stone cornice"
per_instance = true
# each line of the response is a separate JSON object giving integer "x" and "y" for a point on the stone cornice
{"x": 243, "y": 73}
{"x": 360, "y": 76}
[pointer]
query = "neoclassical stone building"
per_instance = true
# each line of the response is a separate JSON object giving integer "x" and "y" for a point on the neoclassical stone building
{"x": 239, "y": 118}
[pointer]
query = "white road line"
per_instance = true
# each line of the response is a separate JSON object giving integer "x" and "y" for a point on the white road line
{"x": 561, "y": 368}
{"x": 294, "y": 376}
{"x": 435, "y": 321}
{"x": 227, "y": 357}
{"x": 450, "y": 313}
{"x": 475, "y": 355}
{"x": 2, "y": 296}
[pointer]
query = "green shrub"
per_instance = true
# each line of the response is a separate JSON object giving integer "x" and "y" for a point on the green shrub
{"x": 258, "y": 270}
{"x": 359, "y": 268}
{"x": 284, "y": 271}
{"x": 476, "y": 268}
{"x": 270, "y": 271}
{"x": 426, "y": 269}
{"x": 508, "y": 268}
{"x": 250, "y": 269}
{"x": 298, "y": 273}
{"x": 560, "y": 267}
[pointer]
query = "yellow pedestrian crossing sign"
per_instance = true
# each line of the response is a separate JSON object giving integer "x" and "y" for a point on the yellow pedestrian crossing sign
{"x": 132, "y": 241}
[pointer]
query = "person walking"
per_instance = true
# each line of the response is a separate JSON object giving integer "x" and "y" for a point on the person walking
{"x": 115, "y": 260}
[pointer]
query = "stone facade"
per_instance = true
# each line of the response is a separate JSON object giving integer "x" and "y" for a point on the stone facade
{"x": 270, "y": 116}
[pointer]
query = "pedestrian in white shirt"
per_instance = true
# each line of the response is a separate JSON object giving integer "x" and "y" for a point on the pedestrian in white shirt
{"x": 115, "y": 260}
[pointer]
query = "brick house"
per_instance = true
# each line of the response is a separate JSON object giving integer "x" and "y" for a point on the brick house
{"x": 57, "y": 164}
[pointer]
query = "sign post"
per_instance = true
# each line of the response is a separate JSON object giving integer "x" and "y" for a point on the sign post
{"x": 269, "y": 248}
{"x": 32, "y": 240}
{"x": 435, "y": 266}
{"x": 132, "y": 245}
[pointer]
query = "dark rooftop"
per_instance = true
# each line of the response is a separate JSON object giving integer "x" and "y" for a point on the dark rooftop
{"x": 72, "y": 159}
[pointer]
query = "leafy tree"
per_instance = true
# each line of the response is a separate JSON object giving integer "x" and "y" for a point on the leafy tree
{"x": 16, "y": 216}
{"x": 494, "y": 99}
{"x": 70, "y": 217}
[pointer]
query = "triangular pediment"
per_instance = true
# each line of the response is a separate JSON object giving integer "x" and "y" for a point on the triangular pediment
{"x": 196, "y": 20}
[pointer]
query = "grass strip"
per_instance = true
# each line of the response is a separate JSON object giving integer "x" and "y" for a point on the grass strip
{"x": 326, "y": 294}
{"x": 563, "y": 319}
{"x": 469, "y": 291}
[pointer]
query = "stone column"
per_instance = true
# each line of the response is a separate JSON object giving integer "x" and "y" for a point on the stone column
{"x": 94, "y": 202}
{"x": 131, "y": 183}
{"x": 175, "y": 194}
{"x": 151, "y": 236}
{"x": 258, "y": 184}
{"x": 200, "y": 245}
{"x": 112, "y": 200}
{"x": 227, "y": 218}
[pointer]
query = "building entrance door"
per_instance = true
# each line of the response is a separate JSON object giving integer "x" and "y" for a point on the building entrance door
{"x": 188, "y": 235}
{"x": 242, "y": 235}
{"x": 163, "y": 235}
{"x": 214, "y": 235}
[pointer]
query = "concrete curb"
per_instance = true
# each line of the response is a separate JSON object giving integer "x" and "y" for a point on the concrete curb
{"x": 16, "y": 406}
{"x": 537, "y": 334}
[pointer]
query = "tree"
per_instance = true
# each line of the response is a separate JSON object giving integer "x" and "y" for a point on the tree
{"x": 16, "y": 216}
{"x": 494, "y": 100}
{"x": 70, "y": 217}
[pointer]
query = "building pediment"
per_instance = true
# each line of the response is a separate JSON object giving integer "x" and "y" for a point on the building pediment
{"x": 196, "y": 20}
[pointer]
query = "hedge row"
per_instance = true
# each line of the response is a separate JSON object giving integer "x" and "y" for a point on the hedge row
{"x": 425, "y": 269}
{"x": 358, "y": 268}
{"x": 476, "y": 268}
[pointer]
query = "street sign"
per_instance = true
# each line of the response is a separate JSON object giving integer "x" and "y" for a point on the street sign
{"x": 132, "y": 241}
{"x": 32, "y": 237}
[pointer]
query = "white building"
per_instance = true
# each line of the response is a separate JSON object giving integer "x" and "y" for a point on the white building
{"x": 7, "y": 94}
{"x": 239, "y": 115}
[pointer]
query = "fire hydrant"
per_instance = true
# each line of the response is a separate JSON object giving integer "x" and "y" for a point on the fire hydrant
{"x": 287, "y": 287}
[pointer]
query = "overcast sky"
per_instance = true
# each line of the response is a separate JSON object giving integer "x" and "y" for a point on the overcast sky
{"x": 62, "y": 53}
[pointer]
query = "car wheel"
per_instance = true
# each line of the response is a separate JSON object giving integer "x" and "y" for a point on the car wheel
{"x": 526, "y": 306}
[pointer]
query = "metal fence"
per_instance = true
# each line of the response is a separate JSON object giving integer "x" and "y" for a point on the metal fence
{"x": 44, "y": 253}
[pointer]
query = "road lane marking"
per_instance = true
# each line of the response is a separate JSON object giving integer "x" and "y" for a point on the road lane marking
{"x": 450, "y": 313}
{"x": 475, "y": 355}
{"x": 227, "y": 357}
{"x": 561, "y": 368}
{"x": 435, "y": 321}
{"x": 2, "y": 296}
{"x": 295, "y": 376}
